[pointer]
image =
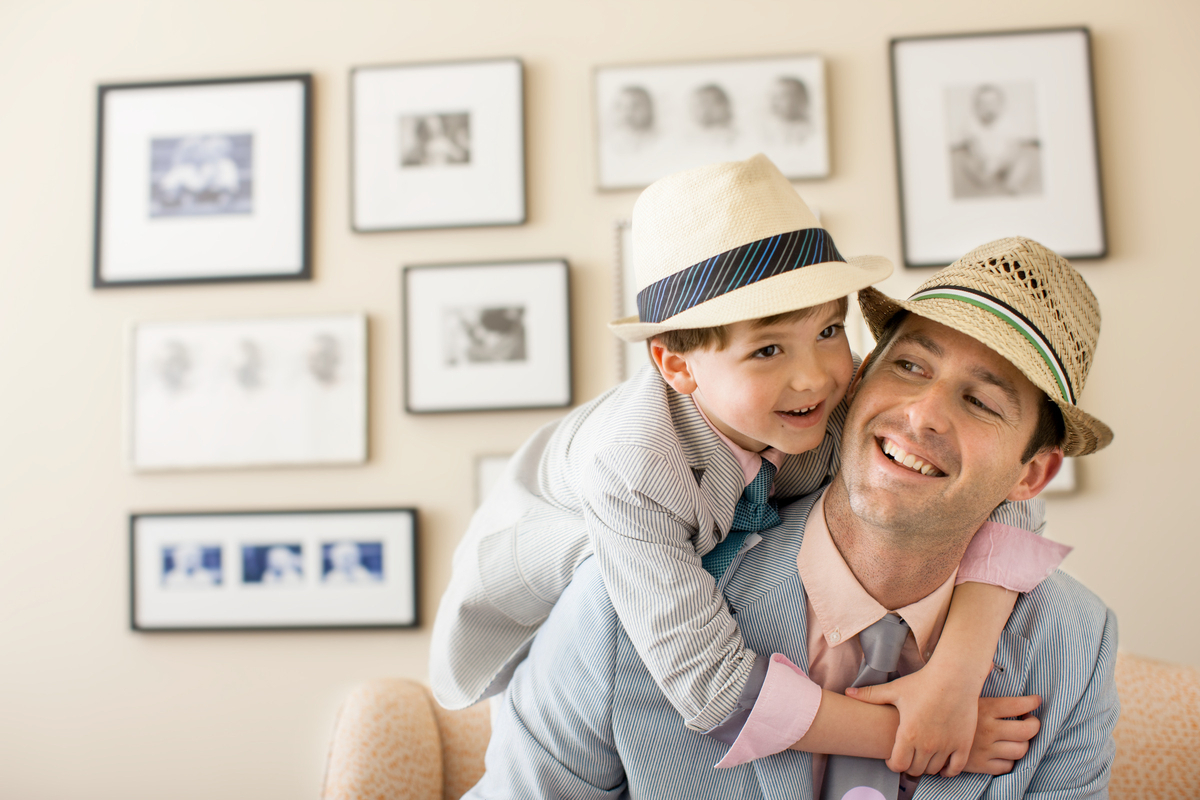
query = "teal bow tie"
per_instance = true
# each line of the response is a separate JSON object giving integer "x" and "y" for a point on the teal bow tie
{"x": 753, "y": 513}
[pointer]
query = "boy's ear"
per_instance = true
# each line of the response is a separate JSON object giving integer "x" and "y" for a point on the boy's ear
{"x": 1040, "y": 470}
{"x": 673, "y": 367}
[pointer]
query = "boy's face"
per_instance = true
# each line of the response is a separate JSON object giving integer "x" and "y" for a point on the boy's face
{"x": 772, "y": 386}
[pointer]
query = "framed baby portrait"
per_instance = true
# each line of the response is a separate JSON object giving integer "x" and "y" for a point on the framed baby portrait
{"x": 211, "y": 394}
{"x": 273, "y": 570}
{"x": 487, "y": 337}
{"x": 438, "y": 145}
{"x": 203, "y": 180}
{"x": 996, "y": 137}
{"x": 653, "y": 120}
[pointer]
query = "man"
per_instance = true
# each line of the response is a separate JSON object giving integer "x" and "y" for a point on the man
{"x": 977, "y": 375}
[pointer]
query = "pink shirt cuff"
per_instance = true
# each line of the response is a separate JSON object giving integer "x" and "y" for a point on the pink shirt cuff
{"x": 1014, "y": 558}
{"x": 785, "y": 709}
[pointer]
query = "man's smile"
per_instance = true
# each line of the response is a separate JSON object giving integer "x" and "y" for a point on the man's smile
{"x": 913, "y": 462}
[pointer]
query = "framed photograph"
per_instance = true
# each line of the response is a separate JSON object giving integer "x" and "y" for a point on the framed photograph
{"x": 487, "y": 337}
{"x": 437, "y": 145}
{"x": 488, "y": 470}
{"x": 204, "y": 180}
{"x": 630, "y": 355}
{"x": 274, "y": 570}
{"x": 658, "y": 119}
{"x": 248, "y": 393}
{"x": 995, "y": 137}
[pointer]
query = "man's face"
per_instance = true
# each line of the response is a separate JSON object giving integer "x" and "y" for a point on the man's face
{"x": 958, "y": 415}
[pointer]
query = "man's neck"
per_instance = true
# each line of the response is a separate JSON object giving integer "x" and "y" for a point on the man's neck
{"x": 894, "y": 569}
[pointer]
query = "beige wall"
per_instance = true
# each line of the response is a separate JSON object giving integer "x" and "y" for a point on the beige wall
{"x": 88, "y": 708}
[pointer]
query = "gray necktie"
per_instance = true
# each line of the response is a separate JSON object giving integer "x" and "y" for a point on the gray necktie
{"x": 849, "y": 777}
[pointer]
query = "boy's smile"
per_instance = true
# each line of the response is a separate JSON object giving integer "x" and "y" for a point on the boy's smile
{"x": 770, "y": 386}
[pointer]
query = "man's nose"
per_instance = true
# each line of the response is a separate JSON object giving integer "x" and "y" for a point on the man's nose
{"x": 929, "y": 409}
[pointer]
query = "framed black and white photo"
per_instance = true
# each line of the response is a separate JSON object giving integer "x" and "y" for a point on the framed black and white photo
{"x": 438, "y": 145}
{"x": 203, "y": 180}
{"x": 630, "y": 355}
{"x": 658, "y": 119}
{"x": 488, "y": 470}
{"x": 249, "y": 393}
{"x": 487, "y": 337}
{"x": 995, "y": 137}
{"x": 264, "y": 570}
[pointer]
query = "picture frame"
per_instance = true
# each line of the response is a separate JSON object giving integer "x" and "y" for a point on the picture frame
{"x": 273, "y": 570}
{"x": 996, "y": 137}
{"x": 488, "y": 336}
{"x": 488, "y": 469}
{"x": 437, "y": 145}
{"x": 653, "y": 120}
{"x": 630, "y": 355}
{"x": 230, "y": 393}
{"x": 199, "y": 181}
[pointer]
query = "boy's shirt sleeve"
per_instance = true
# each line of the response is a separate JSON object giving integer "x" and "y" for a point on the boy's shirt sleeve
{"x": 1008, "y": 549}
{"x": 637, "y": 513}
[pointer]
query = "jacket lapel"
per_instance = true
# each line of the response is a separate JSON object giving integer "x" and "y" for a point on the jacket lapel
{"x": 718, "y": 472}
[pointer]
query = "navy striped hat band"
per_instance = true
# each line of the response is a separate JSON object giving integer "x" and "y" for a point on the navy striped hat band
{"x": 734, "y": 269}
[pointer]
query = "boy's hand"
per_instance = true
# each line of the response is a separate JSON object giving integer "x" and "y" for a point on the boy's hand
{"x": 938, "y": 712}
{"x": 999, "y": 740}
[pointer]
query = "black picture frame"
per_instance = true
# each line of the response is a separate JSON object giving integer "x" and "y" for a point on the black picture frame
{"x": 479, "y": 182}
{"x": 192, "y": 203}
{"x": 211, "y": 604}
{"x": 487, "y": 336}
{"x": 1038, "y": 177}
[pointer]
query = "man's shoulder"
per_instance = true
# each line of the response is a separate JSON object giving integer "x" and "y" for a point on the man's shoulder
{"x": 1060, "y": 614}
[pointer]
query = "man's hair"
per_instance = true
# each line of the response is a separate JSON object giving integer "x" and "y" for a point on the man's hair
{"x": 1050, "y": 430}
{"x": 689, "y": 339}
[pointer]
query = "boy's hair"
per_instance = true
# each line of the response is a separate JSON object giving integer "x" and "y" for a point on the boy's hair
{"x": 1050, "y": 430}
{"x": 689, "y": 339}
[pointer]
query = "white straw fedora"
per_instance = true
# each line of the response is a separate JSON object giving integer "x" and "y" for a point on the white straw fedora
{"x": 730, "y": 242}
{"x": 1028, "y": 304}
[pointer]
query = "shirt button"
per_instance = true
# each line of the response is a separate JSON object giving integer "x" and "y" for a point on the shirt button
{"x": 928, "y": 654}
{"x": 835, "y": 636}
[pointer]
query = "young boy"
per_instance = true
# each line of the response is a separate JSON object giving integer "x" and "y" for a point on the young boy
{"x": 666, "y": 478}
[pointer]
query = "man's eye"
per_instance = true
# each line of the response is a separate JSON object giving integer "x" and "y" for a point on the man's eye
{"x": 767, "y": 352}
{"x": 975, "y": 401}
{"x": 830, "y": 332}
{"x": 907, "y": 366}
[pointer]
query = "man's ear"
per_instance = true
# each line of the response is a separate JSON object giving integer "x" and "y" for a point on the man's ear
{"x": 674, "y": 368}
{"x": 1040, "y": 470}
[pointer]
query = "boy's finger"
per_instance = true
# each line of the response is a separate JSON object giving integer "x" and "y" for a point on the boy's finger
{"x": 936, "y": 763}
{"x": 958, "y": 761}
{"x": 874, "y": 694}
{"x": 1017, "y": 730}
{"x": 1013, "y": 706}
{"x": 901, "y": 758}
{"x": 1010, "y": 751}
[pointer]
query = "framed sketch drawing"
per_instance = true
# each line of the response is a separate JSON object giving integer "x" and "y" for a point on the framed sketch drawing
{"x": 658, "y": 119}
{"x": 437, "y": 145}
{"x": 995, "y": 137}
{"x": 246, "y": 393}
{"x": 487, "y": 337}
{"x": 204, "y": 180}
{"x": 264, "y": 570}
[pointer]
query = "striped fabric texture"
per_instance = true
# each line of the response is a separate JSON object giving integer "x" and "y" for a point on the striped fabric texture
{"x": 583, "y": 717}
{"x": 734, "y": 269}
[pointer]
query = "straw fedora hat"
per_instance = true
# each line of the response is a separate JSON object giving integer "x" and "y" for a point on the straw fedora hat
{"x": 730, "y": 242}
{"x": 1028, "y": 304}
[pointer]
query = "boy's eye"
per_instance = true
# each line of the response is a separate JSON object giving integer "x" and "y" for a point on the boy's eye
{"x": 768, "y": 351}
{"x": 830, "y": 332}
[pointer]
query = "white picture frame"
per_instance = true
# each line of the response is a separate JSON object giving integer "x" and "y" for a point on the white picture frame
{"x": 653, "y": 120}
{"x": 438, "y": 145}
{"x": 231, "y": 393}
{"x": 630, "y": 355}
{"x": 203, "y": 180}
{"x": 273, "y": 570}
{"x": 487, "y": 336}
{"x": 996, "y": 137}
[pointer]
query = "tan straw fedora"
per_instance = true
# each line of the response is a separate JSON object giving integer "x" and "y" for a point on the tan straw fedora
{"x": 730, "y": 242}
{"x": 1028, "y": 304}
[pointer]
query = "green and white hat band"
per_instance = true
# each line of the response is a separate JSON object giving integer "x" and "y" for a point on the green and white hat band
{"x": 1015, "y": 319}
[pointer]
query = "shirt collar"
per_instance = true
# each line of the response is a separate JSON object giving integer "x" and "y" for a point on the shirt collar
{"x": 843, "y": 607}
{"x": 750, "y": 462}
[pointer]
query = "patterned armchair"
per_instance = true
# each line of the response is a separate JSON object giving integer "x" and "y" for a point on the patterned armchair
{"x": 393, "y": 741}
